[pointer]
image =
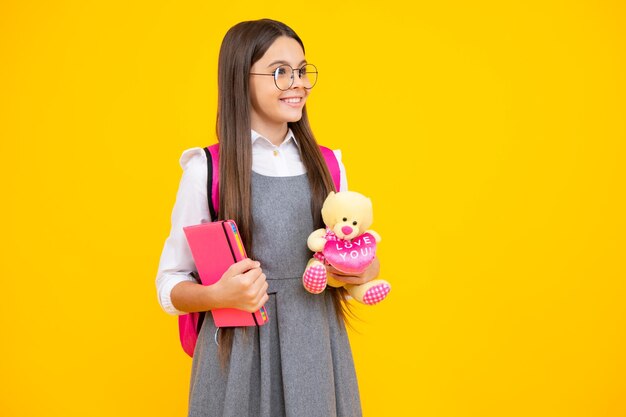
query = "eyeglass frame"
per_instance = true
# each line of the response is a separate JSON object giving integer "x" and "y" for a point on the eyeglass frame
{"x": 293, "y": 71}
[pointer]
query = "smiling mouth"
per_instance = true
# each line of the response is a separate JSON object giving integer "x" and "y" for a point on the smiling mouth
{"x": 294, "y": 100}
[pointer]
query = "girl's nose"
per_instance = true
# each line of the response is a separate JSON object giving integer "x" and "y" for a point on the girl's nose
{"x": 297, "y": 81}
{"x": 346, "y": 230}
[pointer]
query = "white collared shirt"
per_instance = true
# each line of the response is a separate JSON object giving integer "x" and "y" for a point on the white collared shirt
{"x": 191, "y": 206}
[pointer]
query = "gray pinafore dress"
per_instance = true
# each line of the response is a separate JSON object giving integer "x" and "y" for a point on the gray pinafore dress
{"x": 299, "y": 364}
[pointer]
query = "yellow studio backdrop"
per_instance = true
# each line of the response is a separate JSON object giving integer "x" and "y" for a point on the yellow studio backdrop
{"x": 490, "y": 136}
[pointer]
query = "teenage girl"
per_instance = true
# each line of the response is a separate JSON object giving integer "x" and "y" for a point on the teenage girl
{"x": 273, "y": 181}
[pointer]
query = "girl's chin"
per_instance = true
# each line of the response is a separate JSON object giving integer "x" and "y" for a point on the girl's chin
{"x": 293, "y": 116}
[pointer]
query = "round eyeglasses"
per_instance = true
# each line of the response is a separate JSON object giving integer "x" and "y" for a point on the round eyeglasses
{"x": 284, "y": 78}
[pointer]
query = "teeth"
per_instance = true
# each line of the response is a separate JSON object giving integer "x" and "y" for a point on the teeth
{"x": 292, "y": 100}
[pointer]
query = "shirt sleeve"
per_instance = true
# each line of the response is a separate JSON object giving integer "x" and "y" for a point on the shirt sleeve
{"x": 191, "y": 207}
{"x": 343, "y": 186}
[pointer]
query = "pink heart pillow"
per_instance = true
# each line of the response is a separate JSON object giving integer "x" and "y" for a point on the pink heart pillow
{"x": 351, "y": 256}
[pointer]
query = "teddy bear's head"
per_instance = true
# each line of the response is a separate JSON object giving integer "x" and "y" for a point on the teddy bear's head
{"x": 347, "y": 213}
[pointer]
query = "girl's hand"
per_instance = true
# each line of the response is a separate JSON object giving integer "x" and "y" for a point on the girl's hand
{"x": 369, "y": 274}
{"x": 243, "y": 286}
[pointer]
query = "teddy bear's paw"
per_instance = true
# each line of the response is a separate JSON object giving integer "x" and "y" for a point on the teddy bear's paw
{"x": 376, "y": 294}
{"x": 314, "y": 278}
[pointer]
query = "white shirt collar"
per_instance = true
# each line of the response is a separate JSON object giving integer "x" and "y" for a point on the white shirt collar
{"x": 289, "y": 136}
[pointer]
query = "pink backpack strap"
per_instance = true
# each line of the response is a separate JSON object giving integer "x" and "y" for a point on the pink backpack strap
{"x": 189, "y": 325}
{"x": 213, "y": 180}
{"x": 333, "y": 166}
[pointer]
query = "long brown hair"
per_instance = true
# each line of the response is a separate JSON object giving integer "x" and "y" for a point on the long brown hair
{"x": 243, "y": 45}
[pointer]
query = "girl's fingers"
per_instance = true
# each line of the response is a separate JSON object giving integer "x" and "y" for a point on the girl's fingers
{"x": 254, "y": 286}
{"x": 350, "y": 279}
{"x": 369, "y": 274}
{"x": 336, "y": 272}
{"x": 252, "y": 276}
{"x": 251, "y": 283}
{"x": 262, "y": 302}
{"x": 263, "y": 297}
{"x": 257, "y": 284}
{"x": 243, "y": 266}
{"x": 259, "y": 299}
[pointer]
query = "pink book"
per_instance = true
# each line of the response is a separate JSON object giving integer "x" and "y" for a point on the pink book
{"x": 215, "y": 247}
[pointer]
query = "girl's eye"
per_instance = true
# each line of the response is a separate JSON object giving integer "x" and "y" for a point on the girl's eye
{"x": 345, "y": 219}
{"x": 354, "y": 223}
{"x": 280, "y": 71}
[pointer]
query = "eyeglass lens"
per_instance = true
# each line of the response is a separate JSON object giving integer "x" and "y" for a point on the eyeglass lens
{"x": 284, "y": 77}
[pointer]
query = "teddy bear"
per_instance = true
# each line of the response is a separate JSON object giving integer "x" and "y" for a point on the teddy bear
{"x": 347, "y": 245}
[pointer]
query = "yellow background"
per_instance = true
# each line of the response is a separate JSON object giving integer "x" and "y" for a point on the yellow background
{"x": 490, "y": 136}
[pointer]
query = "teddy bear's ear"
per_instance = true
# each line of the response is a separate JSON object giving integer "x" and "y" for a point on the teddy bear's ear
{"x": 329, "y": 198}
{"x": 366, "y": 213}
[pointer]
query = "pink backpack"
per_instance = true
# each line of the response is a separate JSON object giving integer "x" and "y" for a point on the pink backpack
{"x": 189, "y": 325}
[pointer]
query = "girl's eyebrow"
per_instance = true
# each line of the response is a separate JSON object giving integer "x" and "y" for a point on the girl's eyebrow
{"x": 285, "y": 63}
